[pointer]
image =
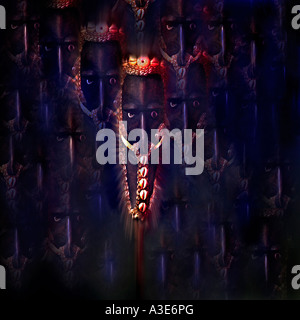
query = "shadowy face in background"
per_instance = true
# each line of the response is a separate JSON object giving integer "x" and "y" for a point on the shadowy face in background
{"x": 67, "y": 229}
{"x": 180, "y": 26}
{"x": 100, "y": 78}
{"x": 22, "y": 27}
{"x": 68, "y": 143}
{"x": 185, "y": 108}
{"x": 59, "y": 42}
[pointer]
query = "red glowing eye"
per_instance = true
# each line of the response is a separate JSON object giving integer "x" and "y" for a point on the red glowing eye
{"x": 14, "y": 26}
{"x": 112, "y": 81}
{"x": 154, "y": 114}
{"x": 196, "y": 103}
{"x": 71, "y": 47}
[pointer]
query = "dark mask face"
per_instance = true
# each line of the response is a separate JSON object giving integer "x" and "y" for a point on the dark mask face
{"x": 142, "y": 107}
{"x": 22, "y": 27}
{"x": 184, "y": 109}
{"x": 100, "y": 78}
{"x": 180, "y": 26}
{"x": 143, "y": 102}
{"x": 69, "y": 139}
{"x": 67, "y": 230}
{"x": 59, "y": 43}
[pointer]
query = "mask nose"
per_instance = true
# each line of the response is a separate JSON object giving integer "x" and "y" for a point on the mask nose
{"x": 182, "y": 45}
{"x": 100, "y": 111}
{"x": 143, "y": 121}
{"x": 216, "y": 149}
{"x": 144, "y": 132}
{"x": 60, "y": 61}
{"x": 71, "y": 150}
{"x": 185, "y": 115}
{"x": 68, "y": 249}
{"x": 26, "y": 41}
{"x": 223, "y": 44}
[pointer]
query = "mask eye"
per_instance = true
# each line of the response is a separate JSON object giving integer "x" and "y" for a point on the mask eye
{"x": 71, "y": 47}
{"x": 169, "y": 26}
{"x": 215, "y": 93}
{"x": 130, "y": 115}
{"x": 196, "y": 103}
{"x": 154, "y": 114}
{"x": 59, "y": 138}
{"x": 193, "y": 26}
{"x": 112, "y": 81}
{"x": 48, "y": 47}
{"x": 173, "y": 105}
{"x": 268, "y": 168}
{"x": 57, "y": 218}
{"x": 13, "y": 26}
{"x": 210, "y": 27}
{"x": 89, "y": 81}
{"x": 36, "y": 26}
{"x": 82, "y": 138}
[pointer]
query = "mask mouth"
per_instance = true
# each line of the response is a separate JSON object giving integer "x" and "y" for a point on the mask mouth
{"x": 138, "y": 146}
{"x": 110, "y": 115}
{"x": 142, "y": 179}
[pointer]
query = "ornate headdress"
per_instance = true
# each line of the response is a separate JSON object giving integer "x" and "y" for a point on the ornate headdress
{"x": 62, "y": 4}
{"x": 99, "y": 34}
{"x": 145, "y": 202}
{"x": 143, "y": 66}
{"x": 102, "y": 33}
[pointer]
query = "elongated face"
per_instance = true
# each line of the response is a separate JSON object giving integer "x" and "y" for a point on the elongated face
{"x": 100, "y": 78}
{"x": 22, "y": 26}
{"x": 143, "y": 108}
{"x": 180, "y": 25}
{"x": 185, "y": 107}
{"x": 59, "y": 43}
{"x": 67, "y": 229}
